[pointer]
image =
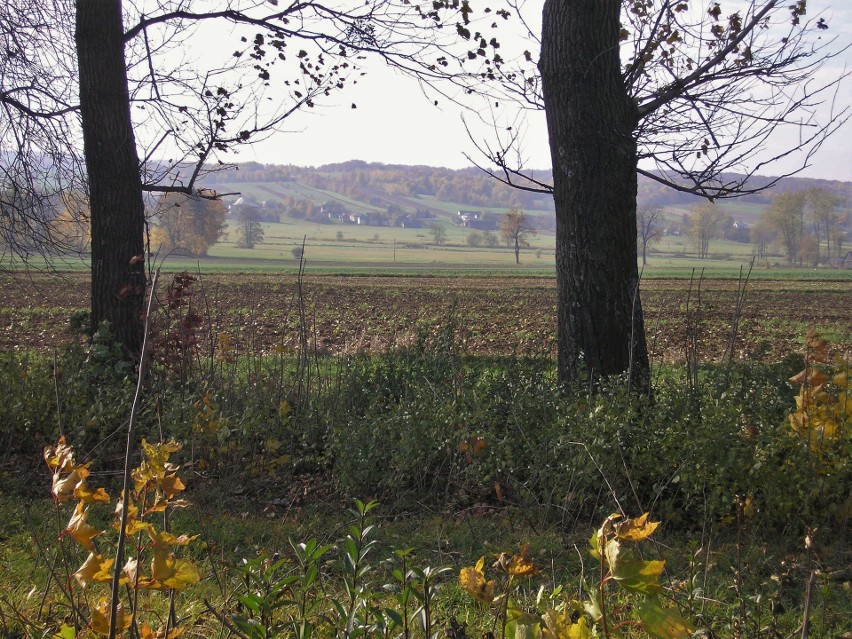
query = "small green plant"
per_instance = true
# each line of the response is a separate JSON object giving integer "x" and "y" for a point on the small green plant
{"x": 296, "y": 596}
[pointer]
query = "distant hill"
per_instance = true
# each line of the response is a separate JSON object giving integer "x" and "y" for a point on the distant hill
{"x": 389, "y": 189}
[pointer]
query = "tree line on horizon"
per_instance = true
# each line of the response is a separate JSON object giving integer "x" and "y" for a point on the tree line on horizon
{"x": 362, "y": 180}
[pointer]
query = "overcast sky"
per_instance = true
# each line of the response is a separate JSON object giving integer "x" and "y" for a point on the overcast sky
{"x": 394, "y": 123}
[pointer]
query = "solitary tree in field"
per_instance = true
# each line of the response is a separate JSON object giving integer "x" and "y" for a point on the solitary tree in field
{"x": 649, "y": 228}
{"x": 695, "y": 89}
{"x": 187, "y": 224}
{"x": 515, "y": 227}
{"x": 786, "y": 215}
{"x": 822, "y": 206}
{"x": 762, "y": 235}
{"x": 439, "y": 234}
{"x": 249, "y": 229}
{"x": 704, "y": 224}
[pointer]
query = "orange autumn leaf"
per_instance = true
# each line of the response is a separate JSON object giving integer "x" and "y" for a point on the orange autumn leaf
{"x": 811, "y": 376}
{"x": 171, "y": 485}
{"x": 145, "y": 632}
{"x": 478, "y": 444}
{"x": 817, "y": 348}
{"x": 521, "y": 565}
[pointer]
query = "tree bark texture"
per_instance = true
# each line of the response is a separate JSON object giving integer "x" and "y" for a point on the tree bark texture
{"x": 591, "y": 121}
{"x": 112, "y": 164}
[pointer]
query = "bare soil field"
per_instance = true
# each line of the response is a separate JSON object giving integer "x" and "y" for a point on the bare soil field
{"x": 489, "y": 315}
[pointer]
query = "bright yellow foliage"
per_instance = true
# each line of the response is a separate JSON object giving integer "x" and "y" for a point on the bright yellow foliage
{"x": 823, "y": 415}
{"x": 101, "y": 615}
{"x": 80, "y": 530}
{"x": 472, "y": 580}
{"x": 520, "y": 565}
{"x": 95, "y": 568}
{"x": 155, "y": 485}
{"x": 558, "y": 625}
{"x": 619, "y": 565}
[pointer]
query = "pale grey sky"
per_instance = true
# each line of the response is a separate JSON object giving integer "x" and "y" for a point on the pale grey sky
{"x": 394, "y": 123}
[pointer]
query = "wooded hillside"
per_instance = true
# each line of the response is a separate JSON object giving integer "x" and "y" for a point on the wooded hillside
{"x": 379, "y": 185}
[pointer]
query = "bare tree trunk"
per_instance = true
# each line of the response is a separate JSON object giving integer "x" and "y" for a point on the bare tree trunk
{"x": 112, "y": 164}
{"x": 590, "y": 121}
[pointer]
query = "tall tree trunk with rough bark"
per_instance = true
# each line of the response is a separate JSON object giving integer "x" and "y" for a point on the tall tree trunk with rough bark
{"x": 112, "y": 165}
{"x": 591, "y": 121}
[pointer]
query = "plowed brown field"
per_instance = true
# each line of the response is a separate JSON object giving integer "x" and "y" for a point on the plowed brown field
{"x": 496, "y": 315}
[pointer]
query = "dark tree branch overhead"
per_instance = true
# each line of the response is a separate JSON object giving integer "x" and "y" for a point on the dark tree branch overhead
{"x": 513, "y": 174}
{"x": 713, "y": 86}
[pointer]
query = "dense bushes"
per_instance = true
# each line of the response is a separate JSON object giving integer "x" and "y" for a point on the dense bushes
{"x": 430, "y": 424}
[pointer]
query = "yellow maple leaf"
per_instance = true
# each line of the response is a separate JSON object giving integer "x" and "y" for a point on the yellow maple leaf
{"x": 80, "y": 530}
{"x": 132, "y": 509}
{"x": 60, "y": 457}
{"x": 134, "y": 526}
{"x": 65, "y": 485}
{"x": 166, "y": 570}
{"x": 635, "y": 529}
{"x": 158, "y": 454}
{"x": 84, "y": 494}
{"x": 558, "y": 625}
{"x": 171, "y": 573}
{"x": 101, "y": 616}
{"x": 95, "y": 568}
{"x": 472, "y": 580}
{"x": 521, "y": 565}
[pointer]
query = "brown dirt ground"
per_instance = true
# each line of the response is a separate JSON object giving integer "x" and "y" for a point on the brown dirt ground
{"x": 491, "y": 315}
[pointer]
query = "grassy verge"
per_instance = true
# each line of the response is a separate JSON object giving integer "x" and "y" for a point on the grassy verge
{"x": 726, "y": 579}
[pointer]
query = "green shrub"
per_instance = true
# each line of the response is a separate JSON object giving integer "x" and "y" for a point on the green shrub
{"x": 430, "y": 424}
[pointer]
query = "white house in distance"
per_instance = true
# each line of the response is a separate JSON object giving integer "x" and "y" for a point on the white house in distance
{"x": 475, "y": 220}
